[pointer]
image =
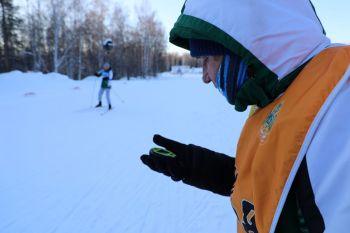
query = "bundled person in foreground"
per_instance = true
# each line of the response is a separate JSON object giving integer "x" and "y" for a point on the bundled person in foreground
{"x": 107, "y": 75}
{"x": 291, "y": 169}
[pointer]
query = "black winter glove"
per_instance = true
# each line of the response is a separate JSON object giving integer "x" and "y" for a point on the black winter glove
{"x": 97, "y": 74}
{"x": 166, "y": 161}
{"x": 194, "y": 165}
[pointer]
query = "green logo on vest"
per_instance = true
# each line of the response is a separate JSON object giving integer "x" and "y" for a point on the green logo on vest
{"x": 268, "y": 122}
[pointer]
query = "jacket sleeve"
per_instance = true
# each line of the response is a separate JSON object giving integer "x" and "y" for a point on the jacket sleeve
{"x": 98, "y": 73}
{"x": 110, "y": 75}
{"x": 211, "y": 171}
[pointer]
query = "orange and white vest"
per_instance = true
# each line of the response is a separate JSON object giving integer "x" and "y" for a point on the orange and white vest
{"x": 276, "y": 138}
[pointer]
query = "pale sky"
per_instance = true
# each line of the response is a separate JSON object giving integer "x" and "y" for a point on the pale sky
{"x": 335, "y": 17}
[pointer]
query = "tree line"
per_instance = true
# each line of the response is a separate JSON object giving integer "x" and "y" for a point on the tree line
{"x": 66, "y": 36}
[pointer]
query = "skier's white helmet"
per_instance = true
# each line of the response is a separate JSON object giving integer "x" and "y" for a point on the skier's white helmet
{"x": 106, "y": 66}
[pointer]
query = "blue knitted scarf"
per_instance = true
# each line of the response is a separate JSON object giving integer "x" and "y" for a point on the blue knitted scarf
{"x": 231, "y": 75}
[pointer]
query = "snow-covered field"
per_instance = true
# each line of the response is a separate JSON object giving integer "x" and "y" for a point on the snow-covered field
{"x": 64, "y": 167}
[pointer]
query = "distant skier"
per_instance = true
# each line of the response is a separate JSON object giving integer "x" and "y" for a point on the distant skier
{"x": 107, "y": 75}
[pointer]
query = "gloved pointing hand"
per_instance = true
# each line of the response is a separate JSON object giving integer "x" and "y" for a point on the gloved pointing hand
{"x": 194, "y": 165}
{"x": 170, "y": 161}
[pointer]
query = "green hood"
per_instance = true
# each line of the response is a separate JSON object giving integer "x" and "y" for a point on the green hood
{"x": 276, "y": 38}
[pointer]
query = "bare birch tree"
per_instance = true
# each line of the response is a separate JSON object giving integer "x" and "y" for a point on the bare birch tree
{"x": 152, "y": 36}
{"x": 35, "y": 34}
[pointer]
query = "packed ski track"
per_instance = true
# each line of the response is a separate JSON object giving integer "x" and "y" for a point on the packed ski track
{"x": 66, "y": 166}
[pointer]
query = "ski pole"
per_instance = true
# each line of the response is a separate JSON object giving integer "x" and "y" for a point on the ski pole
{"x": 93, "y": 93}
{"x": 121, "y": 99}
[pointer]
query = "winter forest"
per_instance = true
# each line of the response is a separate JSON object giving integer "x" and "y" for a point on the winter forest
{"x": 65, "y": 36}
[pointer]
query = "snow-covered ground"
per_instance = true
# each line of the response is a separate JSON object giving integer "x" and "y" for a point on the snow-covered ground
{"x": 64, "y": 167}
